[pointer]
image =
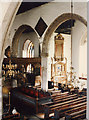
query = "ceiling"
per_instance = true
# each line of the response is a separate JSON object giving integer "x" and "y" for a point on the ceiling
{"x": 25, "y": 6}
{"x": 65, "y": 27}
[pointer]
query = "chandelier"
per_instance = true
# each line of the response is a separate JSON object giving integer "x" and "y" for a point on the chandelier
{"x": 9, "y": 70}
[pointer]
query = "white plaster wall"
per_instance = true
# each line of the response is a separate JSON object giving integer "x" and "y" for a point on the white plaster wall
{"x": 80, "y": 8}
{"x": 77, "y": 32}
{"x": 49, "y": 12}
{"x": 83, "y": 60}
{"x": 67, "y": 50}
{"x": 82, "y": 84}
{"x": 3, "y": 9}
{"x": 32, "y": 37}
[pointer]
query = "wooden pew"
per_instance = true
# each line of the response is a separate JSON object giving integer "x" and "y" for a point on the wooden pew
{"x": 80, "y": 113}
{"x": 59, "y": 94}
{"x": 54, "y": 95}
{"x": 71, "y": 101}
{"x": 65, "y": 98}
{"x": 51, "y": 108}
{"x": 54, "y": 92}
{"x": 59, "y": 113}
{"x": 61, "y": 98}
{"x": 61, "y": 102}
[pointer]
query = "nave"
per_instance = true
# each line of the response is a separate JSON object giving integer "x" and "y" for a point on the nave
{"x": 43, "y": 70}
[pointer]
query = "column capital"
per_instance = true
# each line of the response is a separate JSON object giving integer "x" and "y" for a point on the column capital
{"x": 44, "y": 54}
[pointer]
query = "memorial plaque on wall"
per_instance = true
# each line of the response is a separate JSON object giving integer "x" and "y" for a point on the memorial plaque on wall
{"x": 59, "y": 42}
{"x": 41, "y": 27}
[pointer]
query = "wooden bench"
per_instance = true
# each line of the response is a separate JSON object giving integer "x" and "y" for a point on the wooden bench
{"x": 53, "y": 96}
{"x": 64, "y": 98}
{"x": 61, "y": 112}
{"x": 79, "y": 113}
{"x": 62, "y": 103}
{"x": 62, "y": 106}
{"x": 59, "y": 94}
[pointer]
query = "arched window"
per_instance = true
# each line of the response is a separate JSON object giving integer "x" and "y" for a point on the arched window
{"x": 28, "y": 49}
{"x": 30, "y": 68}
{"x": 28, "y": 52}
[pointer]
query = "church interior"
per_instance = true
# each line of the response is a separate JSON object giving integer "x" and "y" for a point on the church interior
{"x": 44, "y": 63}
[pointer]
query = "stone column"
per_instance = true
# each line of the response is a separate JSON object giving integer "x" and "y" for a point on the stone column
{"x": 44, "y": 64}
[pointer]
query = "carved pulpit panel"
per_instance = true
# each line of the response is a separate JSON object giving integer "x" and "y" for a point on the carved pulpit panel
{"x": 59, "y": 72}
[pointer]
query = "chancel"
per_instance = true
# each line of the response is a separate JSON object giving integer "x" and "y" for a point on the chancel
{"x": 43, "y": 74}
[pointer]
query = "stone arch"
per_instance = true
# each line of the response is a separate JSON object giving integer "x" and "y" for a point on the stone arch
{"x": 17, "y": 36}
{"x": 83, "y": 38}
{"x": 6, "y": 24}
{"x": 45, "y": 48}
{"x": 58, "y": 21}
